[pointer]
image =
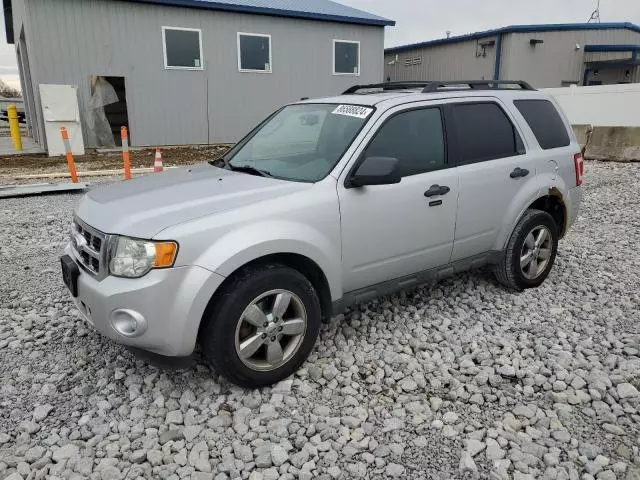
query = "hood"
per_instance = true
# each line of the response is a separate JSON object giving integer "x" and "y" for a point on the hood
{"x": 144, "y": 206}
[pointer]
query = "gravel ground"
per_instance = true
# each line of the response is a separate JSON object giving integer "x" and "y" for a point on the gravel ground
{"x": 461, "y": 380}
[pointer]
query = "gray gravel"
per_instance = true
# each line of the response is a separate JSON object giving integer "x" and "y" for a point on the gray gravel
{"x": 462, "y": 380}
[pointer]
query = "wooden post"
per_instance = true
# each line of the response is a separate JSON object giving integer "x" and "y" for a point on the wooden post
{"x": 70, "y": 163}
{"x": 124, "y": 134}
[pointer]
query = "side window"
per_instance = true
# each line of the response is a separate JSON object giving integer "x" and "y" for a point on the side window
{"x": 346, "y": 57}
{"x": 182, "y": 48}
{"x": 544, "y": 120}
{"x": 484, "y": 132}
{"x": 415, "y": 138}
{"x": 254, "y": 52}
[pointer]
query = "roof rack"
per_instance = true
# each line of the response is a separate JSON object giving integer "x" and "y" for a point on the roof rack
{"x": 477, "y": 84}
{"x": 452, "y": 85}
{"x": 386, "y": 86}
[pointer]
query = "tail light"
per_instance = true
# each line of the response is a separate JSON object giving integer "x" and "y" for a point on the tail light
{"x": 579, "y": 164}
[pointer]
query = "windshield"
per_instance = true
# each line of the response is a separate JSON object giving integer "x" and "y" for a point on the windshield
{"x": 301, "y": 142}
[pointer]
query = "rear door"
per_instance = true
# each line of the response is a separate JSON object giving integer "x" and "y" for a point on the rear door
{"x": 490, "y": 154}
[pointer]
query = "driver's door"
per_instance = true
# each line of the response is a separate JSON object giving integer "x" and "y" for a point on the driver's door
{"x": 390, "y": 231}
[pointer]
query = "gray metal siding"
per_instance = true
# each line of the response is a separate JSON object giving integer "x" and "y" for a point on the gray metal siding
{"x": 454, "y": 61}
{"x": 548, "y": 64}
{"x": 79, "y": 38}
{"x": 23, "y": 42}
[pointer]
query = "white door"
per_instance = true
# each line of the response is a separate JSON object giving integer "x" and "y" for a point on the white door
{"x": 492, "y": 169}
{"x": 60, "y": 109}
{"x": 389, "y": 231}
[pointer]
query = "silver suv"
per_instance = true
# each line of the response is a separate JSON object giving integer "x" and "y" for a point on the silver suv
{"x": 326, "y": 204}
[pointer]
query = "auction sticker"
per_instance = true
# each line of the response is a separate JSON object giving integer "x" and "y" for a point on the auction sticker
{"x": 353, "y": 111}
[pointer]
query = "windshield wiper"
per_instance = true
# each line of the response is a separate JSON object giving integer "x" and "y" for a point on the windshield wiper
{"x": 250, "y": 170}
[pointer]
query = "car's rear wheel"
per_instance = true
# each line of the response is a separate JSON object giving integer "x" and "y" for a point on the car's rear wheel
{"x": 530, "y": 253}
{"x": 262, "y": 326}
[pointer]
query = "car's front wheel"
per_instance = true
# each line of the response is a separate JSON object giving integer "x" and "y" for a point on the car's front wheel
{"x": 530, "y": 253}
{"x": 262, "y": 326}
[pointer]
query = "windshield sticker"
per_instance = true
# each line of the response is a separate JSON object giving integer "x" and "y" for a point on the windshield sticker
{"x": 353, "y": 111}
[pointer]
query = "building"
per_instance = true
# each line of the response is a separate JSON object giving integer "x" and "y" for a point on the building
{"x": 543, "y": 55}
{"x": 190, "y": 71}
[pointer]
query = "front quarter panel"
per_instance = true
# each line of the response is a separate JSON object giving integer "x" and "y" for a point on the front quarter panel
{"x": 306, "y": 223}
{"x": 249, "y": 243}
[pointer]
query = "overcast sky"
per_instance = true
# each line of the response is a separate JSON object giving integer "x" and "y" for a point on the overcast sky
{"x": 420, "y": 20}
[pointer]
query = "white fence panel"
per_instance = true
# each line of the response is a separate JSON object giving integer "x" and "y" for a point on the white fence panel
{"x": 600, "y": 106}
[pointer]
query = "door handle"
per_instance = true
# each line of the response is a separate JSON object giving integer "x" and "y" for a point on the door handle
{"x": 436, "y": 190}
{"x": 519, "y": 172}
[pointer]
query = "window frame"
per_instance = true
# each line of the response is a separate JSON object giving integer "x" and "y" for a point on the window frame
{"x": 164, "y": 48}
{"x": 445, "y": 138}
{"x": 333, "y": 57}
{"x": 519, "y": 143}
{"x": 239, "y": 53}
{"x": 558, "y": 115}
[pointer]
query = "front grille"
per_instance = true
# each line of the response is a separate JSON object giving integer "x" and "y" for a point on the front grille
{"x": 89, "y": 248}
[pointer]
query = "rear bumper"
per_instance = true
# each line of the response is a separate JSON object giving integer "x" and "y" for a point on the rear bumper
{"x": 167, "y": 305}
{"x": 573, "y": 201}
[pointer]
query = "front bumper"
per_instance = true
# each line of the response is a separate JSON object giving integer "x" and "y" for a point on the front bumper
{"x": 169, "y": 304}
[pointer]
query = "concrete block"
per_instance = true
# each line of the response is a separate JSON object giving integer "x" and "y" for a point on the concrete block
{"x": 618, "y": 144}
{"x": 582, "y": 133}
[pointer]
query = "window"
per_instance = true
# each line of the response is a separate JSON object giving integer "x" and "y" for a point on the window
{"x": 182, "y": 48}
{"x": 415, "y": 138}
{"x": 301, "y": 142}
{"x": 544, "y": 120}
{"x": 346, "y": 57}
{"x": 484, "y": 132}
{"x": 254, "y": 52}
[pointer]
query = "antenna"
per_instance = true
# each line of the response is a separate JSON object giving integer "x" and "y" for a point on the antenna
{"x": 595, "y": 16}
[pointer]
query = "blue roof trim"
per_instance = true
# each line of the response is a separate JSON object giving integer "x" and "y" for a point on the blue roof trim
{"x": 611, "y": 48}
{"x": 365, "y": 19}
{"x": 517, "y": 29}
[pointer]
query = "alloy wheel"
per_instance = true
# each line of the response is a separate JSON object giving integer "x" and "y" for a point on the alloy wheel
{"x": 536, "y": 252}
{"x": 271, "y": 330}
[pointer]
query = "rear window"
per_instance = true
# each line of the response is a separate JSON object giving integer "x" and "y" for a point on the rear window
{"x": 484, "y": 133}
{"x": 544, "y": 120}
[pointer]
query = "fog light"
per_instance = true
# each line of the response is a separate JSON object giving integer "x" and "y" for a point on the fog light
{"x": 128, "y": 323}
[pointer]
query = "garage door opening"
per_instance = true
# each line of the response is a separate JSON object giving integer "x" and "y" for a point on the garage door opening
{"x": 108, "y": 110}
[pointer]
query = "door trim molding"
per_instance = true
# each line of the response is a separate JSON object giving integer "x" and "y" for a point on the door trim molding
{"x": 433, "y": 275}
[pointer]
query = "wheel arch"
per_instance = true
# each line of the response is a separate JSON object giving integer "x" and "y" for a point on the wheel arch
{"x": 548, "y": 200}
{"x": 554, "y": 205}
{"x": 301, "y": 263}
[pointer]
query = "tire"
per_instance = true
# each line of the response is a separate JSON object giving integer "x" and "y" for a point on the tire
{"x": 233, "y": 324}
{"x": 509, "y": 272}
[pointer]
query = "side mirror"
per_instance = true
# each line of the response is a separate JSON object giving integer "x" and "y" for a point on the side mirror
{"x": 375, "y": 171}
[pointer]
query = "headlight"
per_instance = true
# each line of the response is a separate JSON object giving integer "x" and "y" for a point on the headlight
{"x": 133, "y": 258}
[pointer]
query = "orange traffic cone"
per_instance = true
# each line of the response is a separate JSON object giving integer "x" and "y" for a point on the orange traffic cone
{"x": 157, "y": 164}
